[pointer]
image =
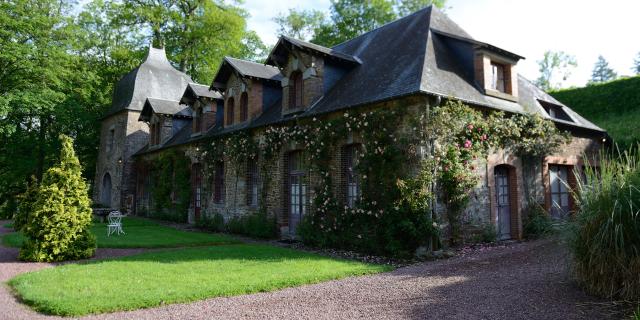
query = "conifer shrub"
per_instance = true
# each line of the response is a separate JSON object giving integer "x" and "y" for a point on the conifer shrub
{"x": 606, "y": 234}
{"x": 57, "y": 226}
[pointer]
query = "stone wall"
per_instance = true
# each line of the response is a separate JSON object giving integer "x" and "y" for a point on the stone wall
{"x": 130, "y": 135}
{"x": 528, "y": 180}
{"x": 312, "y": 69}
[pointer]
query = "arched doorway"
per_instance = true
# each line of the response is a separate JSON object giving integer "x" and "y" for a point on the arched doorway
{"x": 505, "y": 200}
{"x": 105, "y": 197}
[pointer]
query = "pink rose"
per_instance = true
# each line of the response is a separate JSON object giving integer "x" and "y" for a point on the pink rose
{"x": 467, "y": 144}
{"x": 470, "y": 127}
{"x": 484, "y": 137}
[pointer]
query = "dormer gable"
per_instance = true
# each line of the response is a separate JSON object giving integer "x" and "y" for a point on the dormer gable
{"x": 248, "y": 89}
{"x": 494, "y": 69}
{"x": 165, "y": 118}
{"x": 204, "y": 104}
{"x": 309, "y": 71}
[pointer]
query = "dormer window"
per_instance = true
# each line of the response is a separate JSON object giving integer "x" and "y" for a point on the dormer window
{"x": 295, "y": 90}
{"x": 230, "y": 106}
{"x": 244, "y": 107}
{"x": 198, "y": 121}
{"x": 555, "y": 111}
{"x": 498, "y": 78}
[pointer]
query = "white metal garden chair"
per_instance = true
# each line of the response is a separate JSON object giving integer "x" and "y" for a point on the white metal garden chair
{"x": 114, "y": 223}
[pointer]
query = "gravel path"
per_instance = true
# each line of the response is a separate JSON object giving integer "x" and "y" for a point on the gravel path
{"x": 518, "y": 281}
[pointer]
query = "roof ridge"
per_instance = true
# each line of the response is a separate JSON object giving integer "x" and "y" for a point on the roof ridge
{"x": 249, "y": 61}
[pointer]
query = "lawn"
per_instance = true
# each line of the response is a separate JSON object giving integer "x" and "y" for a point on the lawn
{"x": 141, "y": 233}
{"x": 175, "y": 276}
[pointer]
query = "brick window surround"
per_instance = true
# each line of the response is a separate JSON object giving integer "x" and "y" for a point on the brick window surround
{"x": 296, "y": 90}
{"x": 230, "y": 106}
{"x": 252, "y": 183}
{"x": 218, "y": 182}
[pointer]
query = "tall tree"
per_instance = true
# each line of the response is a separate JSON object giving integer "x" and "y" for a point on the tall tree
{"x": 299, "y": 24}
{"x": 37, "y": 70}
{"x": 347, "y": 19}
{"x": 602, "y": 72}
{"x": 197, "y": 34}
{"x": 636, "y": 64}
{"x": 554, "y": 65}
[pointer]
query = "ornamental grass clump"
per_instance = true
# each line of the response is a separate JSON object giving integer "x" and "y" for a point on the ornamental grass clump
{"x": 57, "y": 228}
{"x": 606, "y": 235}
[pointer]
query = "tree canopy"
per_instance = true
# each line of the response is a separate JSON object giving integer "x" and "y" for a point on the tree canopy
{"x": 602, "y": 72}
{"x": 636, "y": 64}
{"x": 59, "y": 63}
{"x": 554, "y": 65}
{"x": 347, "y": 19}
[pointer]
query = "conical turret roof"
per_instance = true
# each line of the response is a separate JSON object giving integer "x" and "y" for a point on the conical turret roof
{"x": 155, "y": 78}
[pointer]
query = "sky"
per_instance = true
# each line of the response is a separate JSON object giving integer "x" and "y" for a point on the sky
{"x": 582, "y": 28}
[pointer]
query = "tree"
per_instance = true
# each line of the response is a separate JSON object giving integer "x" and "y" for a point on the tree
{"x": 636, "y": 64}
{"x": 58, "y": 227}
{"x": 38, "y": 75}
{"x": 348, "y": 19}
{"x": 554, "y": 64}
{"x": 602, "y": 72}
{"x": 197, "y": 34}
{"x": 299, "y": 24}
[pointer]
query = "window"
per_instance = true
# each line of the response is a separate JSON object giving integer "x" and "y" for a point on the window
{"x": 230, "y": 106}
{"x": 198, "y": 120}
{"x": 555, "y": 111}
{"x": 111, "y": 139}
{"x": 253, "y": 182}
{"x": 244, "y": 107}
{"x": 558, "y": 180}
{"x": 295, "y": 90}
{"x": 351, "y": 181}
{"x": 296, "y": 189}
{"x": 218, "y": 183}
{"x": 498, "y": 77}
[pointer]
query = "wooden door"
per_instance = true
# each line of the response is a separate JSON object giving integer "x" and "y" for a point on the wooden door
{"x": 503, "y": 202}
{"x": 196, "y": 175}
{"x": 296, "y": 190}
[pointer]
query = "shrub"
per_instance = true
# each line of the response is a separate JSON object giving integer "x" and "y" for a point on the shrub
{"x": 257, "y": 225}
{"x": 398, "y": 231}
{"x": 538, "y": 223}
{"x": 214, "y": 223}
{"x": 57, "y": 228}
{"x": 26, "y": 202}
{"x": 606, "y": 234}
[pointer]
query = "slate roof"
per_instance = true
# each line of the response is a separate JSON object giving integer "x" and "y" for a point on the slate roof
{"x": 245, "y": 69}
{"x": 202, "y": 90}
{"x": 154, "y": 77}
{"x": 311, "y": 47}
{"x": 423, "y": 53}
{"x": 164, "y": 107}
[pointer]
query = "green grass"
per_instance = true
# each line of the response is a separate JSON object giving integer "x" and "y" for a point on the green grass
{"x": 175, "y": 276}
{"x": 141, "y": 233}
{"x": 8, "y": 225}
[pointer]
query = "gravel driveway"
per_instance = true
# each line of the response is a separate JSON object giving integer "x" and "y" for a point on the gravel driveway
{"x": 518, "y": 281}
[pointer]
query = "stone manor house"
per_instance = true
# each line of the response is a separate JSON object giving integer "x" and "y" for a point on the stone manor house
{"x": 416, "y": 60}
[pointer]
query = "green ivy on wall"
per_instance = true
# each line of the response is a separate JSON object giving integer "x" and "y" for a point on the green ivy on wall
{"x": 171, "y": 191}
